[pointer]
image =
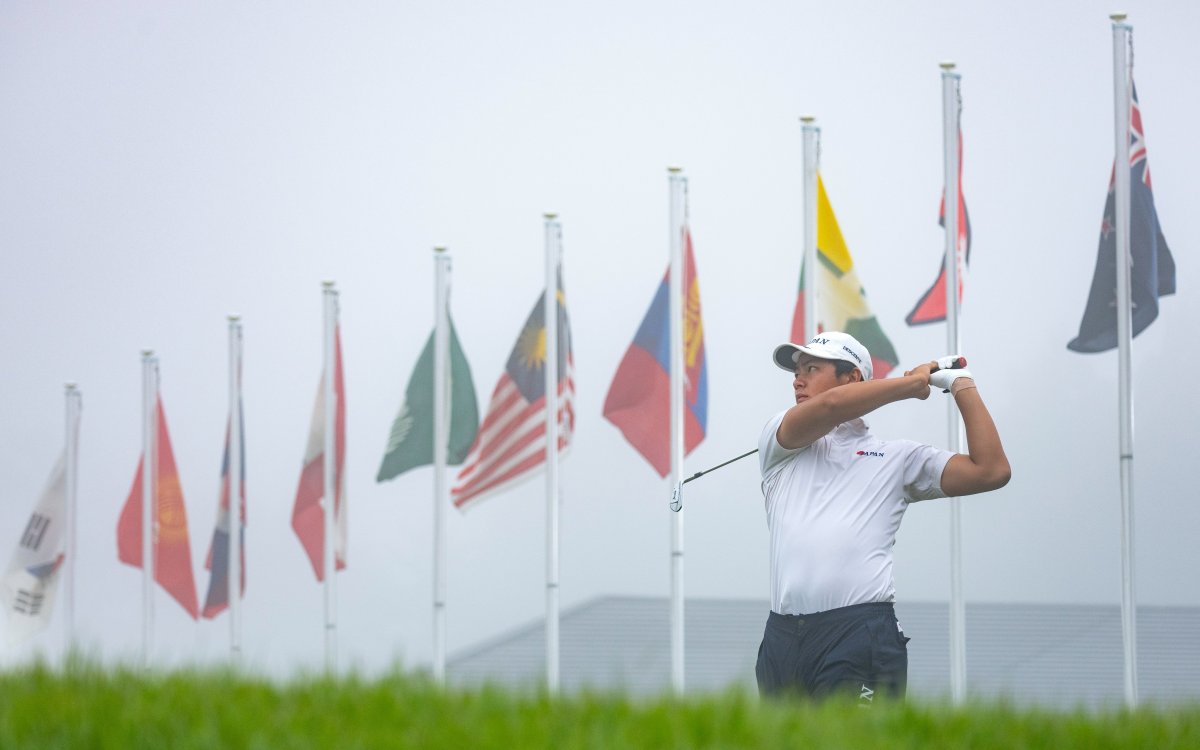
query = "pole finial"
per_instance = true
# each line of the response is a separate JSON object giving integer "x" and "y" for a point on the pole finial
{"x": 147, "y": 353}
{"x": 327, "y": 284}
{"x": 1118, "y": 17}
{"x": 674, "y": 170}
{"x": 440, "y": 249}
{"x": 234, "y": 317}
{"x": 71, "y": 385}
{"x": 550, "y": 216}
{"x": 807, "y": 119}
{"x": 947, "y": 65}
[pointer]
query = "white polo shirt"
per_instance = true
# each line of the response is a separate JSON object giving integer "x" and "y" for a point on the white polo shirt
{"x": 833, "y": 510}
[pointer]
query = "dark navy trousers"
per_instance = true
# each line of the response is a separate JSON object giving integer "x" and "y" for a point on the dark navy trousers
{"x": 857, "y": 651}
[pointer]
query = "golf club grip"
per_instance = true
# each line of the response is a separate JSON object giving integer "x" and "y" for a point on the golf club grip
{"x": 950, "y": 362}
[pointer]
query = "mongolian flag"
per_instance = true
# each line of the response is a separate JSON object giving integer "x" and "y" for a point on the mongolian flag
{"x": 639, "y": 399}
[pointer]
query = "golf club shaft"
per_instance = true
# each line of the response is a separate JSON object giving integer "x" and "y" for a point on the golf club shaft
{"x": 699, "y": 474}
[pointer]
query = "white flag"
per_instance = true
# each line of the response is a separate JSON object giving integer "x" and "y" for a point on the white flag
{"x": 28, "y": 587}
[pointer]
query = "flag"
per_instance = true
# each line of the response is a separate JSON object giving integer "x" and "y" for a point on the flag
{"x": 841, "y": 299}
{"x": 218, "y": 550}
{"x": 172, "y": 550}
{"x": 308, "y": 514}
{"x": 410, "y": 443}
{"x": 511, "y": 444}
{"x": 639, "y": 399}
{"x": 931, "y": 308}
{"x": 28, "y": 587}
{"x": 1153, "y": 268}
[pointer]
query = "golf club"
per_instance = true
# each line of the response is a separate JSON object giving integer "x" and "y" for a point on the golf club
{"x": 948, "y": 362}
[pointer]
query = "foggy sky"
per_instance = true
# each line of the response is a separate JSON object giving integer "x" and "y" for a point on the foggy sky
{"x": 166, "y": 166}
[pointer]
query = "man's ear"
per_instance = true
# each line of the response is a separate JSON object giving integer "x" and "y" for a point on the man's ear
{"x": 856, "y": 376}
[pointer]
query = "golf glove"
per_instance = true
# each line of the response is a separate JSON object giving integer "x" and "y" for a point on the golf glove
{"x": 945, "y": 378}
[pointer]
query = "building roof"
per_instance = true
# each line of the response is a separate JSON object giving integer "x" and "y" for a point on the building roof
{"x": 1050, "y": 655}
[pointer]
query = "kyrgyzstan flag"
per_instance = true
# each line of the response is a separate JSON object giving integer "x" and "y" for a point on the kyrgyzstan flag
{"x": 172, "y": 550}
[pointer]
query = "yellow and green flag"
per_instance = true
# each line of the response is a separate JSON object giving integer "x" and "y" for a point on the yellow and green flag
{"x": 841, "y": 299}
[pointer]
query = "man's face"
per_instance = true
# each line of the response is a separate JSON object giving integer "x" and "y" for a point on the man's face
{"x": 815, "y": 375}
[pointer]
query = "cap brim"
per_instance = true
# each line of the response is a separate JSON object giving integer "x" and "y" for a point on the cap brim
{"x": 787, "y": 355}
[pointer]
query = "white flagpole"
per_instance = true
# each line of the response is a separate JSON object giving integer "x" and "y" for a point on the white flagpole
{"x": 553, "y": 241}
{"x": 951, "y": 109}
{"x": 74, "y": 405}
{"x": 234, "y": 570}
{"x": 441, "y": 353}
{"x": 149, "y": 516}
{"x": 811, "y": 135}
{"x": 330, "y": 470}
{"x": 678, "y": 187}
{"x": 1122, "y": 69}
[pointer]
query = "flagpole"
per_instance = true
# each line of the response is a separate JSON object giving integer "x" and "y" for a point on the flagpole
{"x": 553, "y": 242}
{"x": 329, "y": 473}
{"x": 678, "y": 185}
{"x": 951, "y": 110}
{"x": 149, "y": 465}
{"x": 234, "y": 479}
{"x": 811, "y": 135}
{"x": 441, "y": 348}
{"x": 74, "y": 403}
{"x": 1122, "y": 64}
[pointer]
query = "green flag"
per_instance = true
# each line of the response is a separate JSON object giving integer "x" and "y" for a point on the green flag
{"x": 411, "y": 441}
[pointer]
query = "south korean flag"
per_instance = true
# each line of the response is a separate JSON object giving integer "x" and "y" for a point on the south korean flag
{"x": 27, "y": 589}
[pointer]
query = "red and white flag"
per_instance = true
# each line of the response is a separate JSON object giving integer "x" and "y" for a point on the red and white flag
{"x": 308, "y": 515}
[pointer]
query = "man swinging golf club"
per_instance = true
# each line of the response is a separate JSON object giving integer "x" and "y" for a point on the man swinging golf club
{"x": 834, "y": 497}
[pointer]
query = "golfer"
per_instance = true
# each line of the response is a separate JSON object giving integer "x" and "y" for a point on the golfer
{"x": 834, "y": 497}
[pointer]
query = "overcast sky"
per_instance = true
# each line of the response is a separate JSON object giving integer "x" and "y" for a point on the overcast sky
{"x": 166, "y": 166}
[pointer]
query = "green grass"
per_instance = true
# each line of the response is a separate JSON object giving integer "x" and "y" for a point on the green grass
{"x": 86, "y": 706}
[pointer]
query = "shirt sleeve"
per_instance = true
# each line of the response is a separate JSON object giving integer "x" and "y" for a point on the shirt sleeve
{"x": 770, "y": 452}
{"x": 923, "y": 469}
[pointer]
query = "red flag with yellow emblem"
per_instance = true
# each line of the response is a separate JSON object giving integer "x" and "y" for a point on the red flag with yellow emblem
{"x": 172, "y": 550}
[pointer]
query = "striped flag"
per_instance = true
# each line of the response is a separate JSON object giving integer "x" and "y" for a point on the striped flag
{"x": 841, "y": 299}
{"x": 308, "y": 514}
{"x": 511, "y": 444}
{"x": 217, "y": 561}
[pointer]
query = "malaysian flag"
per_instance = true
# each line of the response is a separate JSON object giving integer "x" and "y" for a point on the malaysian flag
{"x": 511, "y": 444}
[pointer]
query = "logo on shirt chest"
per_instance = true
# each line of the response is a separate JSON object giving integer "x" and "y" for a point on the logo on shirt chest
{"x": 873, "y": 454}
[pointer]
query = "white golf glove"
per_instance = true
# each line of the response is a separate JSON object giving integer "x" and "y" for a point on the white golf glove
{"x": 945, "y": 378}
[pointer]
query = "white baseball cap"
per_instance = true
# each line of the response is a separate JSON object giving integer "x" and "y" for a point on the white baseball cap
{"x": 826, "y": 345}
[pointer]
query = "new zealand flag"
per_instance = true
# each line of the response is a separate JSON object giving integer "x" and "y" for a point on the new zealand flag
{"x": 1153, "y": 268}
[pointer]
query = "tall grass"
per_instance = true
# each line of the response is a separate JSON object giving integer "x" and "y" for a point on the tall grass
{"x": 86, "y": 706}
